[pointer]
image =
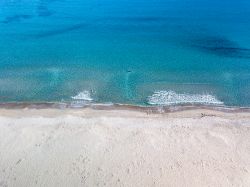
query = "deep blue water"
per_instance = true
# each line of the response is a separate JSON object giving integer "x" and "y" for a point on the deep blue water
{"x": 125, "y": 51}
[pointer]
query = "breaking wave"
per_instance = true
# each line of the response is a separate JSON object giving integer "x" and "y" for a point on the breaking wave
{"x": 173, "y": 98}
{"x": 83, "y": 96}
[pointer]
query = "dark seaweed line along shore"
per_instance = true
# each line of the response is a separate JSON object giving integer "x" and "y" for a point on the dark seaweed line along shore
{"x": 96, "y": 106}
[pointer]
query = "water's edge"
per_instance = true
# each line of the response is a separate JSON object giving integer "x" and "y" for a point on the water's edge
{"x": 103, "y": 106}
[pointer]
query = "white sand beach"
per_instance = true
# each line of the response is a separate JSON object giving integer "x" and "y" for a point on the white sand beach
{"x": 86, "y": 147}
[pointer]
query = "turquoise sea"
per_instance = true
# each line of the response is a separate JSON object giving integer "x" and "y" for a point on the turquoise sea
{"x": 140, "y": 52}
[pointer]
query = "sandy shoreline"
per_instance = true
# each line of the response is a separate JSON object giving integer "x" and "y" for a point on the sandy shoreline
{"x": 87, "y": 147}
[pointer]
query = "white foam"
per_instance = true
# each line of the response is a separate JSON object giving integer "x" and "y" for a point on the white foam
{"x": 173, "y": 98}
{"x": 83, "y": 96}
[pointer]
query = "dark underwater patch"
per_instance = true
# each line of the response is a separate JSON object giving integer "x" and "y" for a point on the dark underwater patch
{"x": 43, "y": 11}
{"x": 42, "y": 8}
{"x": 16, "y": 18}
{"x": 61, "y": 31}
{"x": 144, "y": 19}
{"x": 140, "y": 19}
{"x": 221, "y": 46}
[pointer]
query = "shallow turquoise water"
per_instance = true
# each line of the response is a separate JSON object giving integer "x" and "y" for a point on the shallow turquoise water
{"x": 133, "y": 52}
